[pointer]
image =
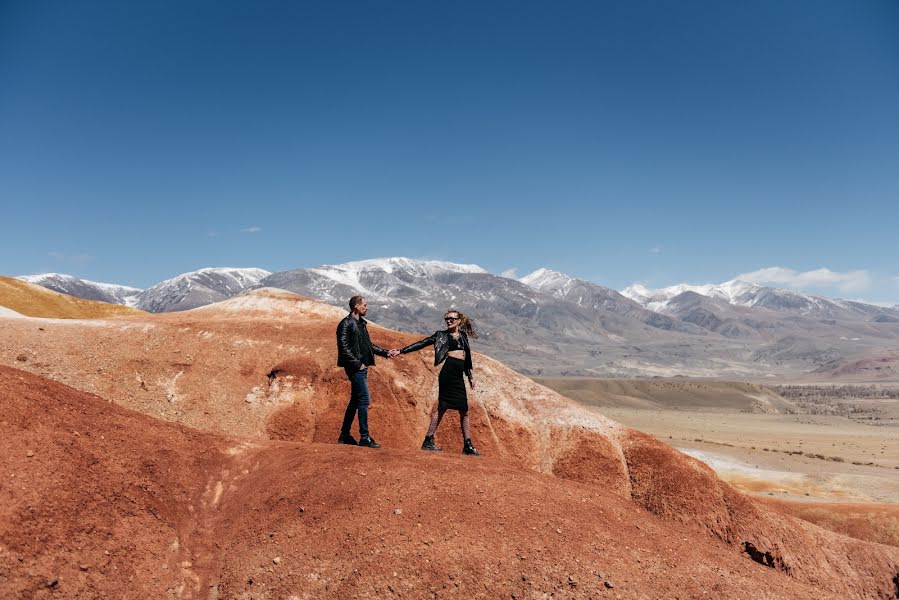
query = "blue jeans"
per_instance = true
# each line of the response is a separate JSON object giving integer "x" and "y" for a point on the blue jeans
{"x": 359, "y": 400}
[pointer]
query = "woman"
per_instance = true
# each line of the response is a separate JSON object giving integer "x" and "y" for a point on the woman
{"x": 450, "y": 345}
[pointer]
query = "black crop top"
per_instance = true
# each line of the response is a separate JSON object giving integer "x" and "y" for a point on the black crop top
{"x": 455, "y": 343}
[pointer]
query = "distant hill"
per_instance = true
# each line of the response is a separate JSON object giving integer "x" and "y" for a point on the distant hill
{"x": 84, "y": 288}
{"x": 873, "y": 366}
{"x": 668, "y": 394}
{"x": 33, "y": 300}
{"x": 198, "y": 288}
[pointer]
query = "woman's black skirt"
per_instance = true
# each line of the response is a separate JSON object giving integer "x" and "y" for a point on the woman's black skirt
{"x": 452, "y": 385}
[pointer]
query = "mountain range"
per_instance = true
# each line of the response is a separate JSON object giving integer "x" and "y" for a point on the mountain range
{"x": 84, "y": 288}
{"x": 186, "y": 291}
{"x": 742, "y": 293}
{"x": 549, "y": 323}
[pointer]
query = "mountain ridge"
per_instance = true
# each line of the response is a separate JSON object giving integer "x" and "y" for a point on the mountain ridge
{"x": 85, "y": 288}
{"x": 198, "y": 288}
{"x": 549, "y": 323}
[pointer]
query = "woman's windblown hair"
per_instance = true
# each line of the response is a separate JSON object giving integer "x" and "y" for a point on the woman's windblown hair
{"x": 465, "y": 324}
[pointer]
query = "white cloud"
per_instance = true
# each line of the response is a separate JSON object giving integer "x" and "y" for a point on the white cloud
{"x": 71, "y": 259}
{"x": 213, "y": 234}
{"x": 656, "y": 249}
{"x": 510, "y": 273}
{"x": 846, "y": 282}
{"x": 251, "y": 229}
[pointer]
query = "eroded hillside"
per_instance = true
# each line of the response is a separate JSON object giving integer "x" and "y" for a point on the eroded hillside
{"x": 256, "y": 373}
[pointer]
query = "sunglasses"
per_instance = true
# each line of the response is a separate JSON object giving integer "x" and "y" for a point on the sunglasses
{"x": 450, "y": 319}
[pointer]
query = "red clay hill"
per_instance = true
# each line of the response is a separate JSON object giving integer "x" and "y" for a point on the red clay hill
{"x": 192, "y": 457}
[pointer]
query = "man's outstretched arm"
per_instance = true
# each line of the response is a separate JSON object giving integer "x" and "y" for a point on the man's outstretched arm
{"x": 380, "y": 351}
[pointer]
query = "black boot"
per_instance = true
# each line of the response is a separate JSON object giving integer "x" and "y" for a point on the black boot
{"x": 468, "y": 448}
{"x": 346, "y": 438}
{"x": 429, "y": 444}
{"x": 368, "y": 442}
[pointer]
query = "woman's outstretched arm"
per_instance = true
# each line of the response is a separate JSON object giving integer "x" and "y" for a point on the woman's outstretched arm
{"x": 416, "y": 346}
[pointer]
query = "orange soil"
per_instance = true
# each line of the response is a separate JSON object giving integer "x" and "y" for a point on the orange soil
{"x": 874, "y": 522}
{"x": 35, "y": 301}
{"x": 101, "y": 501}
{"x": 260, "y": 367}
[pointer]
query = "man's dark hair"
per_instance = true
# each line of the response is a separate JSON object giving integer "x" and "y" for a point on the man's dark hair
{"x": 354, "y": 301}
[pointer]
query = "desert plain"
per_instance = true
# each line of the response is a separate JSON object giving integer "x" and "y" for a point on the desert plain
{"x": 814, "y": 447}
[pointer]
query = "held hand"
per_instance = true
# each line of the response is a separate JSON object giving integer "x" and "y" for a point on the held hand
{"x": 471, "y": 383}
{"x": 362, "y": 367}
{"x": 393, "y": 353}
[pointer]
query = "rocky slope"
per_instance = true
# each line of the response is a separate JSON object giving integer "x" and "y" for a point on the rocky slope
{"x": 558, "y": 485}
{"x": 101, "y": 501}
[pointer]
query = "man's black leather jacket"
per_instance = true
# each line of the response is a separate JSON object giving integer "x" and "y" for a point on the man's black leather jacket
{"x": 440, "y": 341}
{"x": 354, "y": 347}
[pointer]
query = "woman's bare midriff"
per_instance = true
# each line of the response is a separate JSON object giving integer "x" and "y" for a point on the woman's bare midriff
{"x": 460, "y": 354}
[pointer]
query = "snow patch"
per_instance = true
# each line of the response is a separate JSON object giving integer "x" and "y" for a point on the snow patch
{"x": 8, "y": 312}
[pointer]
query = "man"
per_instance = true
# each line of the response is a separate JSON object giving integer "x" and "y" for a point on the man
{"x": 355, "y": 353}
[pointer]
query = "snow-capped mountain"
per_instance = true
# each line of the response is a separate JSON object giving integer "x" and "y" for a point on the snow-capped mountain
{"x": 412, "y": 295}
{"x": 734, "y": 292}
{"x": 381, "y": 279}
{"x": 418, "y": 289}
{"x": 84, "y": 288}
{"x": 199, "y": 288}
{"x": 547, "y": 279}
{"x": 742, "y": 293}
{"x": 590, "y": 295}
{"x": 579, "y": 291}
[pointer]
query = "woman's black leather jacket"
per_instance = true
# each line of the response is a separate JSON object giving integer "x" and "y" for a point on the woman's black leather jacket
{"x": 440, "y": 341}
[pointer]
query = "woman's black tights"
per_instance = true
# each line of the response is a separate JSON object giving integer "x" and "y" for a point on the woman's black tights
{"x": 437, "y": 416}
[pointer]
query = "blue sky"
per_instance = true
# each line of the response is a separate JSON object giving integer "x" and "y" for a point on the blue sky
{"x": 654, "y": 142}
